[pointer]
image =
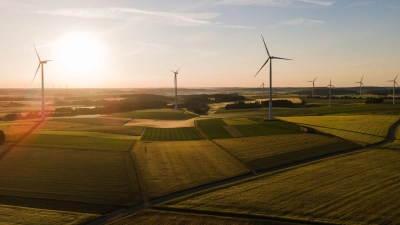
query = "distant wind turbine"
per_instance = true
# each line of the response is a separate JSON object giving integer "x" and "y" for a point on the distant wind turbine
{"x": 41, "y": 64}
{"x": 312, "y": 92}
{"x": 394, "y": 86}
{"x": 330, "y": 92}
{"x": 361, "y": 83}
{"x": 176, "y": 86}
{"x": 262, "y": 85}
{"x": 270, "y": 76}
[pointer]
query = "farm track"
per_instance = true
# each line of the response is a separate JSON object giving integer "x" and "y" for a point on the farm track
{"x": 390, "y": 137}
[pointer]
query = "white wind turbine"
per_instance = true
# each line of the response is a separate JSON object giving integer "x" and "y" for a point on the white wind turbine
{"x": 41, "y": 64}
{"x": 176, "y": 86}
{"x": 394, "y": 86}
{"x": 330, "y": 92}
{"x": 312, "y": 92}
{"x": 361, "y": 83}
{"x": 270, "y": 77}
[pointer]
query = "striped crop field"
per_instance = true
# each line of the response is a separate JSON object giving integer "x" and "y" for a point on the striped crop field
{"x": 77, "y": 140}
{"x": 266, "y": 152}
{"x": 156, "y": 217}
{"x": 167, "y": 167}
{"x": 171, "y": 134}
{"x": 23, "y": 215}
{"x": 357, "y": 109}
{"x": 213, "y": 128}
{"x": 361, "y": 129}
{"x": 97, "y": 177}
{"x": 267, "y": 128}
{"x": 357, "y": 188}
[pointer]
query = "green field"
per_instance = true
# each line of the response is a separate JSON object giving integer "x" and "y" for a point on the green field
{"x": 157, "y": 115}
{"x": 171, "y": 134}
{"x": 77, "y": 140}
{"x": 358, "y": 188}
{"x": 267, "y": 128}
{"x": 167, "y": 167}
{"x": 266, "y": 152}
{"x": 358, "y": 109}
{"x": 23, "y": 215}
{"x": 101, "y": 120}
{"x": 96, "y": 177}
{"x": 210, "y": 122}
{"x": 213, "y": 128}
{"x": 361, "y": 129}
{"x": 125, "y": 130}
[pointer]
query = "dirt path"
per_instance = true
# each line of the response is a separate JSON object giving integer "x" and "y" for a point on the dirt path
{"x": 390, "y": 137}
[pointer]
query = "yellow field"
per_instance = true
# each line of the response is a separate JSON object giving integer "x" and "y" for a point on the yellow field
{"x": 98, "y": 177}
{"x": 361, "y": 129}
{"x": 23, "y": 215}
{"x": 265, "y": 152}
{"x": 358, "y": 188}
{"x": 167, "y": 167}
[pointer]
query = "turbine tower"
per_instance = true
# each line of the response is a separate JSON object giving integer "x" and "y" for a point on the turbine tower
{"x": 394, "y": 86}
{"x": 312, "y": 92}
{"x": 361, "y": 83}
{"x": 270, "y": 76}
{"x": 330, "y": 92}
{"x": 41, "y": 65}
{"x": 176, "y": 88}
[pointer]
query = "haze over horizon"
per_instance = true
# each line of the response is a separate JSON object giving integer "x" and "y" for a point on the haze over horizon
{"x": 133, "y": 44}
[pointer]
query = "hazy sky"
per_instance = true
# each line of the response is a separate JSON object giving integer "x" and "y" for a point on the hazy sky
{"x": 130, "y": 43}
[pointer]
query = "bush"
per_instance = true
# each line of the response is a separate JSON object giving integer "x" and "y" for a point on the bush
{"x": 374, "y": 101}
{"x": 2, "y": 137}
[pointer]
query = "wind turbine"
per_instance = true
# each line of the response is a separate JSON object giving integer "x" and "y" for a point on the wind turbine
{"x": 41, "y": 64}
{"x": 270, "y": 76}
{"x": 312, "y": 92}
{"x": 330, "y": 92}
{"x": 361, "y": 83}
{"x": 176, "y": 88}
{"x": 262, "y": 85}
{"x": 394, "y": 86}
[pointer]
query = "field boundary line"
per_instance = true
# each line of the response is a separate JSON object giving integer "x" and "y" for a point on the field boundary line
{"x": 225, "y": 150}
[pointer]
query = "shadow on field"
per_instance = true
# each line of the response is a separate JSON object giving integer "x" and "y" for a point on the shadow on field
{"x": 19, "y": 140}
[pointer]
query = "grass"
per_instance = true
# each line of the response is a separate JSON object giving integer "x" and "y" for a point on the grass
{"x": 171, "y": 134}
{"x": 361, "y": 129}
{"x": 77, "y": 140}
{"x": 210, "y": 122}
{"x": 238, "y": 121}
{"x": 214, "y": 132}
{"x": 268, "y": 128}
{"x": 101, "y": 120}
{"x": 358, "y": 188}
{"x": 22, "y": 215}
{"x": 157, "y": 115}
{"x": 97, "y": 177}
{"x": 272, "y": 151}
{"x": 167, "y": 167}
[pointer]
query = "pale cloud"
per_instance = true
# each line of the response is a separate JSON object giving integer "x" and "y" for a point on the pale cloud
{"x": 302, "y": 21}
{"x": 363, "y": 3}
{"x": 97, "y": 13}
{"x": 318, "y": 2}
{"x": 235, "y": 26}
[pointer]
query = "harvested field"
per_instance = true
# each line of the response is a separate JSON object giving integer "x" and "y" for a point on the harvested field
{"x": 358, "y": 188}
{"x": 156, "y": 217}
{"x": 100, "y": 120}
{"x": 23, "y": 215}
{"x": 161, "y": 123}
{"x": 167, "y": 167}
{"x": 361, "y": 129}
{"x": 171, "y": 134}
{"x": 271, "y": 151}
{"x": 98, "y": 177}
{"x": 77, "y": 140}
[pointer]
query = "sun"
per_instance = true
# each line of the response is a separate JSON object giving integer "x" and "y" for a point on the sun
{"x": 80, "y": 53}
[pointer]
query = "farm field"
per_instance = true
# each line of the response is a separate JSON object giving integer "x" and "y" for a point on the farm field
{"x": 358, "y": 109}
{"x": 171, "y": 134}
{"x": 357, "y": 188}
{"x": 361, "y": 129}
{"x": 264, "y": 112}
{"x": 161, "y": 123}
{"x": 396, "y": 143}
{"x": 24, "y": 215}
{"x": 156, "y": 217}
{"x": 76, "y": 140}
{"x": 267, "y": 152}
{"x": 263, "y": 128}
{"x": 163, "y": 114}
{"x": 213, "y": 128}
{"x": 167, "y": 167}
{"x": 98, "y": 177}
{"x": 125, "y": 130}
{"x": 99, "y": 120}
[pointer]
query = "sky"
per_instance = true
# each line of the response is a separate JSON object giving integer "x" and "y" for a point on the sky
{"x": 217, "y": 43}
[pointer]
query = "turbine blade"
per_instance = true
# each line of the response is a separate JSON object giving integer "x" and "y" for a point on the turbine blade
{"x": 315, "y": 78}
{"x": 281, "y": 58}
{"x": 265, "y": 46}
{"x": 172, "y": 71}
{"x": 36, "y": 73}
{"x": 396, "y": 77}
{"x": 362, "y": 78}
{"x": 179, "y": 68}
{"x": 36, "y": 53}
{"x": 261, "y": 67}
